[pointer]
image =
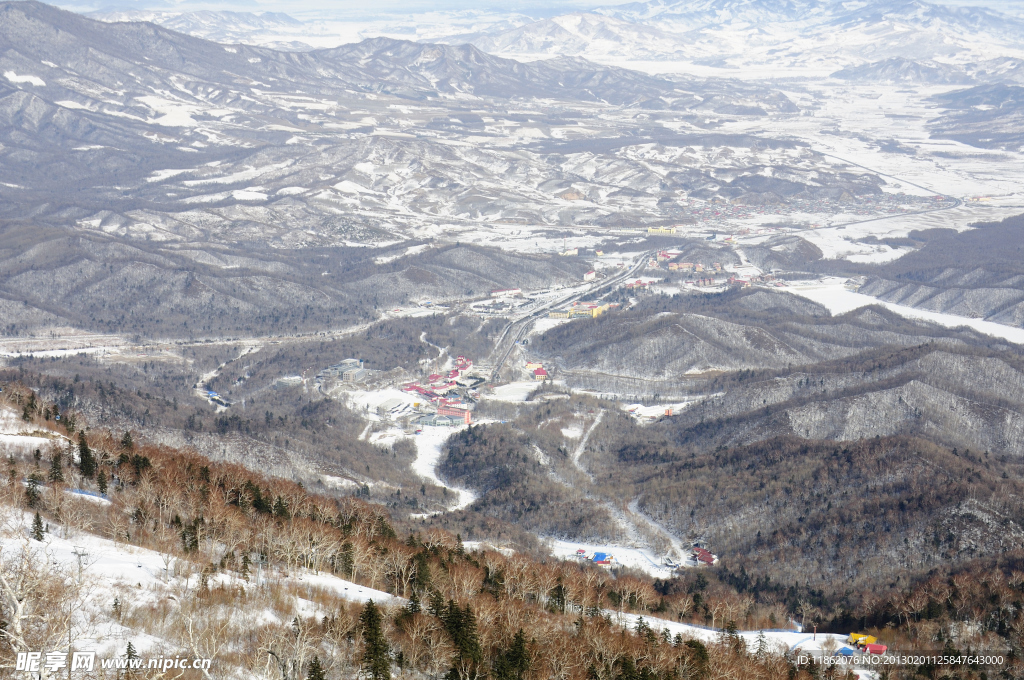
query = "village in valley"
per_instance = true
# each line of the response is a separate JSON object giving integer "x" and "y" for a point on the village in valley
{"x": 446, "y": 396}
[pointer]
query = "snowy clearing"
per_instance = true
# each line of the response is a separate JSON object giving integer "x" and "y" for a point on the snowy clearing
{"x": 831, "y": 293}
{"x": 640, "y": 559}
{"x": 428, "y": 454}
{"x": 31, "y": 80}
{"x": 513, "y": 392}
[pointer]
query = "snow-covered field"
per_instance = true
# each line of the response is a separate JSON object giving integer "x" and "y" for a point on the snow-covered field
{"x": 113, "y": 570}
{"x": 831, "y": 293}
{"x": 624, "y": 556}
{"x": 17, "y": 435}
{"x": 513, "y": 392}
{"x": 640, "y": 411}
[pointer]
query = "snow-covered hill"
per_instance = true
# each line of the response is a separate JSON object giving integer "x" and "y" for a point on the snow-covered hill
{"x": 585, "y": 33}
{"x": 798, "y": 35}
{"x": 269, "y": 29}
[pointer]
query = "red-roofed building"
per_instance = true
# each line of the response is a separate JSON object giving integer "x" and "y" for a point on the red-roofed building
{"x": 704, "y": 556}
{"x": 540, "y": 374}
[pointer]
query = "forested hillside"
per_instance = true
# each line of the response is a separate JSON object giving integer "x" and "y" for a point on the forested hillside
{"x": 256, "y": 569}
{"x": 764, "y": 363}
{"x": 865, "y": 512}
{"x": 242, "y": 553}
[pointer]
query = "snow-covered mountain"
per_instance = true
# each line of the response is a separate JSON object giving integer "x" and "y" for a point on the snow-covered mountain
{"x": 694, "y": 14}
{"x": 133, "y": 125}
{"x": 221, "y": 26}
{"x": 791, "y": 34}
{"x": 584, "y": 33}
{"x": 898, "y": 69}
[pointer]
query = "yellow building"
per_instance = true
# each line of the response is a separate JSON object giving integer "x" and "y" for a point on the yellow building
{"x": 667, "y": 231}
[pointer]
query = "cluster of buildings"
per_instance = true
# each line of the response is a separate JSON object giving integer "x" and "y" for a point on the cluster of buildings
{"x": 696, "y": 267}
{"x": 217, "y": 399}
{"x": 600, "y": 558}
{"x": 582, "y": 309}
{"x": 638, "y": 286}
{"x": 348, "y": 371}
{"x": 671, "y": 260}
{"x": 448, "y": 393}
{"x": 703, "y": 557}
{"x": 537, "y": 370}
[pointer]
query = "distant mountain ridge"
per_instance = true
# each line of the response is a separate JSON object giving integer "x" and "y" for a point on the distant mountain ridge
{"x": 132, "y": 128}
{"x": 898, "y": 69}
{"x": 789, "y": 33}
{"x": 263, "y": 28}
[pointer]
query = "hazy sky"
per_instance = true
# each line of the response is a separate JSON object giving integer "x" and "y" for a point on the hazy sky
{"x": 360, "y": 7}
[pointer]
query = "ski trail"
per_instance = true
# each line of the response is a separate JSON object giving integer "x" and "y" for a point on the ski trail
{"x": 629, "y": 521}
{"x": 366, "y": 430}
{"x": 582, "y": 446}
{"x": 634, "y": 509}
{"x": 204, "y": 380}
{"x": 440, "y": 350}
{"x": 428, "y": 454}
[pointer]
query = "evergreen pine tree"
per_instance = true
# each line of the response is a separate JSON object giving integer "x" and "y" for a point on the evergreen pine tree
{"x": 56, "y": 468}
{"x": 461, "y": 626}
{"x": 376, "y": 653}
{"x": 281, "y": 509}
{"x": 316, "y": 671}
{"x": 126, "y": 441}
{"x": 348, "y": 558}
{"x": 628, "y": 669}
{"x": 101, "y": 481}
{"x": 514, "y": 662}
{"x": 37, "y": 527}
{"x": 86, "y": 461}
{"x": 32, "y": 490}
{"x": 762, "y": 645}
{"x": 422, "y": 579}
{"x": 245, "y": 567}
{"x": 435, "y": 605}
{"x": 130, "y": 653}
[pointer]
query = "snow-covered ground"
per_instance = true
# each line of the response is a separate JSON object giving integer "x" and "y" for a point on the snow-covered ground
{"x": 541, "y": 326}
{"x": 512, "y": 392}
{"x": 831, "y": 293}
{"x": 640, "y": 412}
{"x": 110, "y": 569}
{"x": 641, "y": 559}
{"x": 17, "y": 435}
{"x": 428, "y": 454}
{"x": 776, "y": 641}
